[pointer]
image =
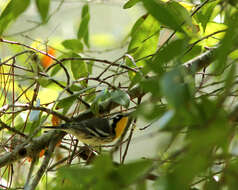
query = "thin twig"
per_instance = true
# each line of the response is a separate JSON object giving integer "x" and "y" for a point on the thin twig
{"x": 29, "y": 175}
{"x": 26, "y": 107}
{"x": 127, "y": 144}
{"x": 41, "y": 52}
{"x": 73, "y": 152}
{"x": 5, "y": 126}
{"x": 57, "y": 163}
{"x": 112, "y": 63}
{"x": 43, "y": 167}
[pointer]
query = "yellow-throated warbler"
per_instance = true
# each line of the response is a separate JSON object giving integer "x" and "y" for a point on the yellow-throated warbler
{"x": 95, "y": 131}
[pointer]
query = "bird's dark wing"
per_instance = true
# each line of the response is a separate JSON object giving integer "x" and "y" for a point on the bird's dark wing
{"x": 99, "y": 127}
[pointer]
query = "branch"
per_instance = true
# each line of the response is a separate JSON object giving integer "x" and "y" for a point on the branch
{"x": 44, "y": 165}
{"x": 40, "y": 73}
{"x": 31, "y": 149}
{"x": 201, "y": 61}
{"x": 5, "y": 126}
{"x": 96, "y": 60}
{"x": 41, "y": 52}
{"x": 26, "y": 107}
{"x": 43, "y": 141}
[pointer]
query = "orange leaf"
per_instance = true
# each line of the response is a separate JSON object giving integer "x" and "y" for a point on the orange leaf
{"x": 29, "y": 159}
{"x": 46, "y": 60}
{"x": 42, "y": 152}
{"x": 55, "y": 120}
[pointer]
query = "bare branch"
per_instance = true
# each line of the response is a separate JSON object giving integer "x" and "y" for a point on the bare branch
{"x": 5, "y": 126}
{"x": 44, "y": 166}
{"x": 26, "y": 107}
{"x": 30, "y": 149}
{"x": 41, "y": 52}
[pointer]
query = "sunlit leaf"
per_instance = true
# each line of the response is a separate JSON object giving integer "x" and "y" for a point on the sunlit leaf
{"x": 204, "y": 15}
{"x": 73, "y": 44}
{"x": 227, "y": 43}
{"x": 163, "y": 14}
{"x": 83, "y": 27}
{"x": 145, "y": 35}
{"x": 13, "y": 9}
{"x": 144, "y": 42}
{"x": 79, "y": 68}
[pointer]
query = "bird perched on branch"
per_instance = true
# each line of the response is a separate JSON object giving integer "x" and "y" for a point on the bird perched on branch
{"x": 95, "y": 131}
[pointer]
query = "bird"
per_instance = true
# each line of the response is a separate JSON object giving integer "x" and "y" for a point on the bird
{"x": 95, "y": 131}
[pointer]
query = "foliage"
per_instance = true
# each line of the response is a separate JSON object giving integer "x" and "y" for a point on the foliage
{"x": 177, "y": 73}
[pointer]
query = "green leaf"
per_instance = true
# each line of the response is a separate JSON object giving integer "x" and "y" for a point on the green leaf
{"x": 79, "y": 68}
{"x": 135, "y": 79}
{"x": 57, "y": 68}
{"x": 230, "y": 174}
{"x": 90, "y": 66}
{"x": 44, "y": 82}
{"x": 104, "y": 175}
{"x": 173, "y": 50}
{"x": 13, "y": 9}
{"x": 144, "y": 37}
{"x": 141, "y": 185}
{"x": 83, "y": 27}
{"x": 233, "y": 2}
{"x": 136, "y": 26}
{"x": 227, "y": 44}
{"x": 73, "y": 44}
{"x": 195, "y": 51}
{"x": 91, "y": 95}
{"x": 163, "y": 14}
{"x": 86, "y": 39}
{"x": 175, "y": 89}
{"x": 229, "y": 82}
{"x": 67, "y": 102}
{"x": 130, "y": 4}
{"x": 151, "y": 85}
{"x": 102, "y": 163}
{"x": 43, "y": 8}
{"x": 144, "y": 41}
{"x": 180, "y": 12}
{"x": 204, "y": 15}
{"x": 120, "y": 97}
{"x": 102, "y": 96}
{"x": 130, "y": 172}
{"x": 150, "y": 111}
{"x": 75, "y": 87}
{"x": 77, "y": 178}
